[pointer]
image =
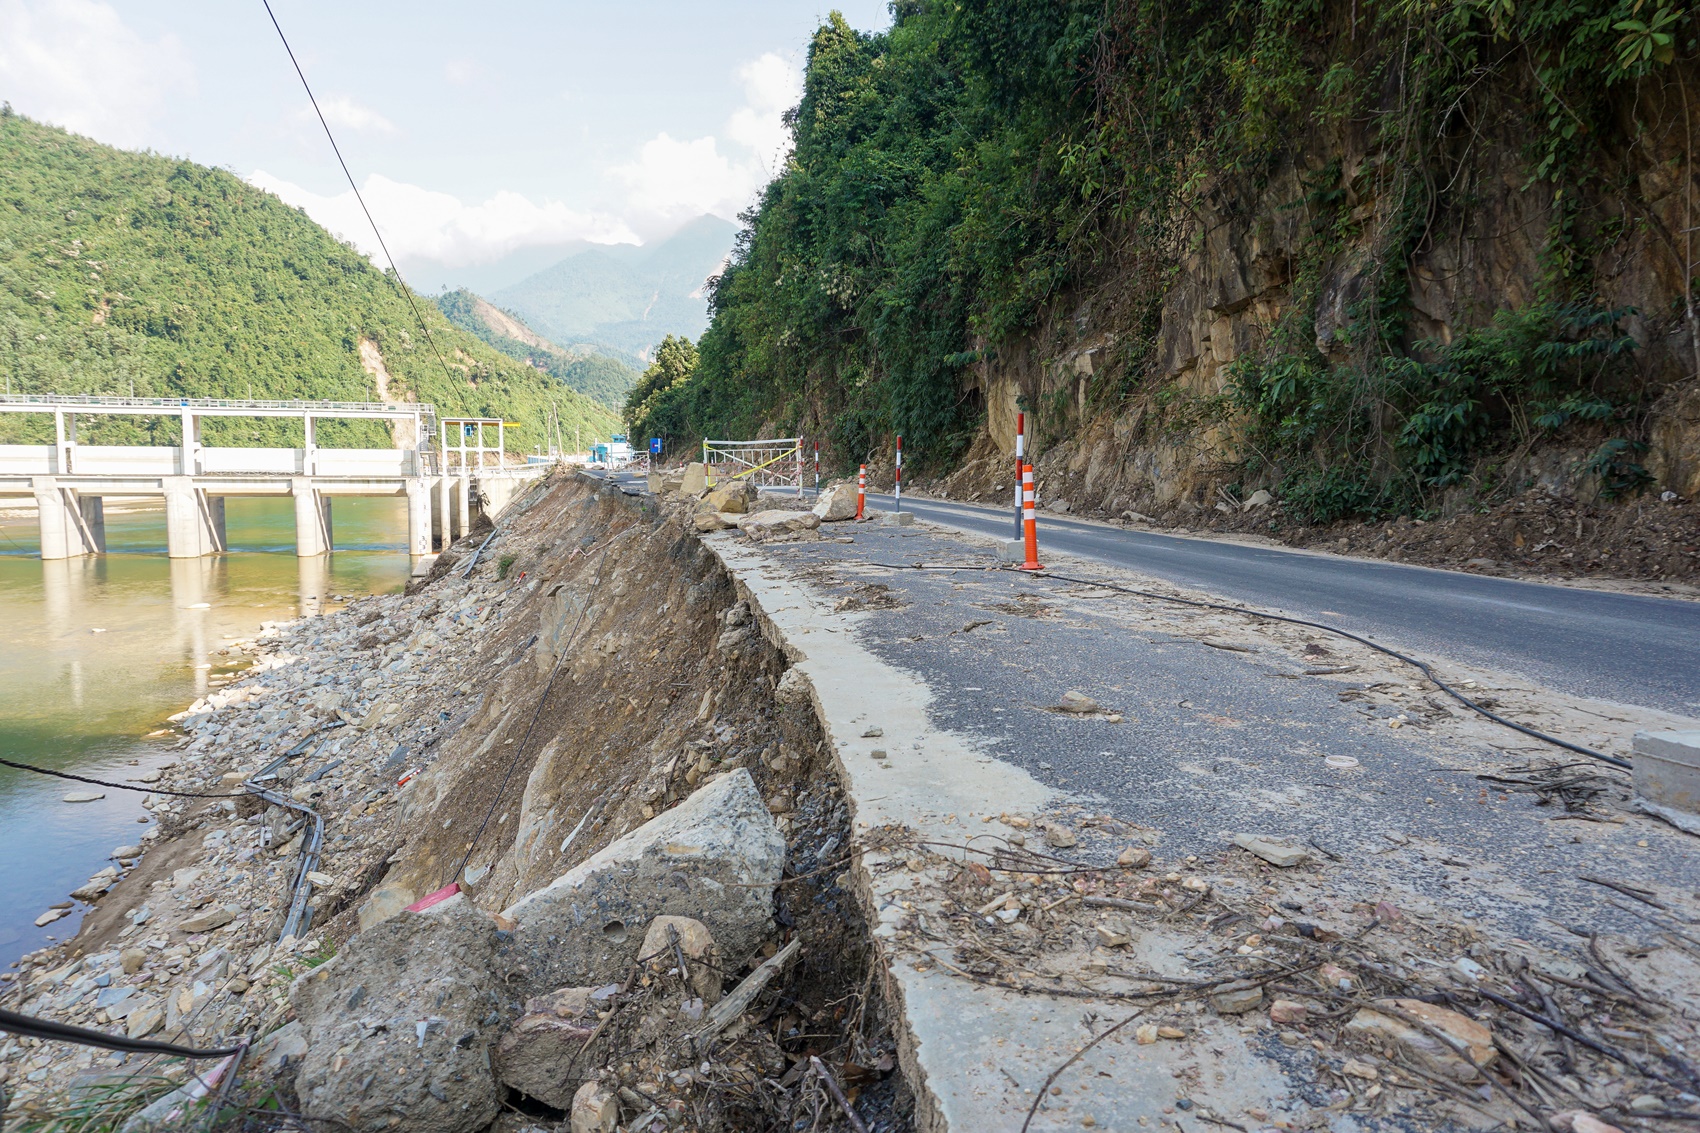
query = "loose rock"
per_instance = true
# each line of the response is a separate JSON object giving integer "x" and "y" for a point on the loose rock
{"x": 1277, "y": 852}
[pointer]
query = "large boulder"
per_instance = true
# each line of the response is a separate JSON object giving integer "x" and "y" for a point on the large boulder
{"x": 767, "y": 525}
{"x": 734, "y": 498}
{"x": 836, "y": 502}
{"x": 399, "y": 1024}
{"x": 715, "y": 857}
{"x": 694, "y": 480}
{"x": 548, "y": 1052}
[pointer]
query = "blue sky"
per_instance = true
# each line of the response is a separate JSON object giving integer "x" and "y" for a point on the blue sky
{"x": 475, "y": 129}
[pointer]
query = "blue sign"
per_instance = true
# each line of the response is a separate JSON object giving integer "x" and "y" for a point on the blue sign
{"x": 655, "y": 445}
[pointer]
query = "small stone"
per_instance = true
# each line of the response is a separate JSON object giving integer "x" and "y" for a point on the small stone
{"x": 132, "y": 959}
{"x": 1645, "y": 1103}
{"x": 1146, "y": 1034}
{"x": 1288, "y": 1011}
{"x": 127, "y": 852}
{"x": 1277, "y": 852}
{"x": 83, "y": 796}
{"x": 877, "y": 753}
{"x": 1060, "y": 837}
{"x": 1170, "y": 1033}
{"x": 595, "y": 1109}
{"x": 51, "y": 915}
{"x": 1077, "y": 702}
{"x": 1113, "y": 937}
{"x": 1357, "y": 1068}
{"x": 1134, "y": 857}
{"x": 1336, "y": 976}
{"x": 144, "y": 1021}
{"x": 1237, "y": 998}
{"x": 153, "y": 775}
{"x": 873, "y": 733}
{"x": 207, "y": 921}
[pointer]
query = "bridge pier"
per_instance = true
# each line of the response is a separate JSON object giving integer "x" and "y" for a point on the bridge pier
{"x": 194, "y": 521}
{"x": 451, "y": 510}
{"x": 418, "y": 516}
{"x": 70, "y": 524}
{"x": 312, "y": 519}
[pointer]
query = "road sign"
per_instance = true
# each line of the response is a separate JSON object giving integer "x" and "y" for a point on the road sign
{"x": 655, "y": 446}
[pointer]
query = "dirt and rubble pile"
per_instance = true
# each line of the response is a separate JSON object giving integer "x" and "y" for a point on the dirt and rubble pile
{"x": 508, "y": 719}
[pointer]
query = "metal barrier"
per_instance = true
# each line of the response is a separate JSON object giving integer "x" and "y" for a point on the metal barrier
{"x": 773, "y": 463}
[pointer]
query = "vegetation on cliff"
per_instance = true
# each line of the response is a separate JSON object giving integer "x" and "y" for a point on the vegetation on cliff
{"x": 130, "y": 273}
{"x": 991, "y": 174}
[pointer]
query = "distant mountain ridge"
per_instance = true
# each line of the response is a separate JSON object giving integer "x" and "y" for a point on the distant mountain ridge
{"x": 132, "y": 273}
{"x": 626, "y": 297}
{"x": 605, "y": 379}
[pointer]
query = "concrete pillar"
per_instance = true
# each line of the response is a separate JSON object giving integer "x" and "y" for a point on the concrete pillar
{"x": 190, "y": 461}
{"x": 93, "y": 515}
{"x": 194, "y": 521}
{"x": 463, "y": 505}
{"x": 60, "y": 519}
{"x": 312, "y": 518}
{"x": 310, "y": 456}
{"x": 442, "y": 522}
{"x": 418, "y": 516}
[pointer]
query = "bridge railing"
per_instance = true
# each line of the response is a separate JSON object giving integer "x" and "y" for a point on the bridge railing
{"x": 222, "y": 405}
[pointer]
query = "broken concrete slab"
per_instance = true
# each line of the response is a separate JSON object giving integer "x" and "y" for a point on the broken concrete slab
{"x": 1667, "y": 769}
{"x": 400, "y": 1022}
{"x": 765, "y": 525}
{"x": 695, "y": 479}
{"x": 715, "y": 857}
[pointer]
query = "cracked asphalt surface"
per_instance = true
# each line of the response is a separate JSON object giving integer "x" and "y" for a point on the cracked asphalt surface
{"x": 1622, "y": 647}
{"x": 1216, "y": 742}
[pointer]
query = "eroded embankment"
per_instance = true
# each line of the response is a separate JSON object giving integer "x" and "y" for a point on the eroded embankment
{"x": 595, "y": 669}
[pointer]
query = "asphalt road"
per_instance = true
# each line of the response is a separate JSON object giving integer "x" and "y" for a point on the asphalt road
{"x": 1626, "y": 648}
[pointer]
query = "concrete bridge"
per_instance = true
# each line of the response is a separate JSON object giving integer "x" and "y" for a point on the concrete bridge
{"x": 69, "y": 480}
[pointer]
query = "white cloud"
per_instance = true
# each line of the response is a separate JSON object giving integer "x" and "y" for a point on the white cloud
{"x": 771, "y": 87}
{"x": 75, "y": 63}
{"x": 344, "y": 113}
{"x": 420, "y": 224}
{"x": 673, "y": 180}
{"x": 462, "y": 72}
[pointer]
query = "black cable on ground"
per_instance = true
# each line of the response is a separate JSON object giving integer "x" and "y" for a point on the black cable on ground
{"x": 1611, "y": 760}
{"x": 542, "y": 699}
{"x": 119, "y": 786}
{"x": 1421, "y": 666}
{"x": 401, "y": 285}
{"x": 31, "y": 1027}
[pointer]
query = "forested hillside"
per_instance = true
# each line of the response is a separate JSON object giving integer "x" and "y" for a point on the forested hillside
{"x": 127, "y": 273}
{"x": 1380, "y": 257}
{"x": 597, "y": 376}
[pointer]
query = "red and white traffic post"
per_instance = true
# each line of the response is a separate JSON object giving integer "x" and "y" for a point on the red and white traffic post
{"x": 897, "y": 479}
{"x": 1020, "y": 455}
{"x": 817, "y": 468}
{"x": 861, "y": 489}
{"x": 1029, "y": 520}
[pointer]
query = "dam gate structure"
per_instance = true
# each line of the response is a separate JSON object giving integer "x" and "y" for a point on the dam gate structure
{"x": 70, "y": 481}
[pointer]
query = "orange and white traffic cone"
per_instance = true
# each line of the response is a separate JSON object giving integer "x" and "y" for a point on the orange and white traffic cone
{"x": 861, "y": 489}
{"x": 1029, "y": 520}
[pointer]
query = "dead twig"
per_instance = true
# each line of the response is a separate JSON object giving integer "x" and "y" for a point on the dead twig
{"x": 1645, "y": 896}
{"x": 820, "y": 1069}
{"x": 741, "y": 997}
{"x": 1039, "y": 1097}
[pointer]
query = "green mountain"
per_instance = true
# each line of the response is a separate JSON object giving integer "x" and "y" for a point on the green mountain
{"x": 623, "y": 296}
{"x": 130, "y": 273}
{"x": 597, "y": 376}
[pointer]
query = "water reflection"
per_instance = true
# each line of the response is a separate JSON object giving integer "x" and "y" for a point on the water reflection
{"x": 95, "y": 652}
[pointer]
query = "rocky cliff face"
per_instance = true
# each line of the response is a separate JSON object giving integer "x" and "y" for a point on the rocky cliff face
{"x": 1127, "y": 385}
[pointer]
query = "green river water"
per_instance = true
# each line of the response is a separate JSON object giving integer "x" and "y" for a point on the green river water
{"x": 96, "y": 652}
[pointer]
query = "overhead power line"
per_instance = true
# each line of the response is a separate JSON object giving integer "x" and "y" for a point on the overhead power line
{"x": 401, "y": 284}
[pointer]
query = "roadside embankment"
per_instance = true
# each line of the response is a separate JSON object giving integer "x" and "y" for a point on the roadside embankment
{"x": 590, "y": 735}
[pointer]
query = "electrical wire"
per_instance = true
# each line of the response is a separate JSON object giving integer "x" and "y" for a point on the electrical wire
{"x": 401, "y": 285}
{"x": 32, "y": 1027}
{"x": 119, "y": 786}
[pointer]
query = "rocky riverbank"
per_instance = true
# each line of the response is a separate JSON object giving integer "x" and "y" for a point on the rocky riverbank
{"x": 584, "y": 725}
